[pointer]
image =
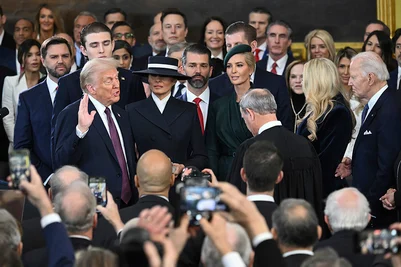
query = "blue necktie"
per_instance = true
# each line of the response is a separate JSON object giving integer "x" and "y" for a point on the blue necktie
{"x": 179, "y": 91}
{"x": 365, "y": 112}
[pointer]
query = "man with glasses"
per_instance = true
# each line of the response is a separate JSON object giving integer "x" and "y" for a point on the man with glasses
{"x": 121, "y": 30}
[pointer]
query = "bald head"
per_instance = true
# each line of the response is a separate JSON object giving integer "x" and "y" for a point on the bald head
{"x": 154, "y": 172}
{"x": 347, "y": 209}
{"x": 63, "y": 177}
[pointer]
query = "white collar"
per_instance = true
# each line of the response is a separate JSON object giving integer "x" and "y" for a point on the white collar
{"x": 260, "y": 198}
{"x": 269, "y": 125}
{"x": 2, "y": 36}
{"x": 73, "y": 68}
{"x": 80, "y": 236}
{"x": 205, "y": 96}
{"x": 154, "y": 53}
{"x": 263, "y": 46}
{"x": 99, "y": 106}
{"x": 161, "y": 104}
{"x": 280, "y": 63}
{"x": 219, "y": 56}
{"x": 300, "y": 251}
{"x": 374, "y": 98}
{"x": 50, "y": 84}
{"x": 399, "y": 72}
{"x": 163, "y": 197}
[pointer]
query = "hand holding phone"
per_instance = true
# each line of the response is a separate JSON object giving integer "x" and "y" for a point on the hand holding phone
{"x": 98, "y": 188}
{"x": 20, "y": 164}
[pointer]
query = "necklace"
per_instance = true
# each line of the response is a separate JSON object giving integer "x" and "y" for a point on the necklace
{"x": 297, "y": 117}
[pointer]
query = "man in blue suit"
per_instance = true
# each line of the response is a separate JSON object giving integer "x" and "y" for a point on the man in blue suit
{"x": 241, "y": 33}
{"x": 98, "y": 140}
{"x": 32, "y": 128}
{"x": 393, "y": 82}
{"x": 378, "y": 142}
{"x": 96, "y": 42}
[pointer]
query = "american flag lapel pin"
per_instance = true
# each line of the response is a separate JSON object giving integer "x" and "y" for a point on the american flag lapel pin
{"x": 123, "y": 78}
{"x": 118, "y": 114}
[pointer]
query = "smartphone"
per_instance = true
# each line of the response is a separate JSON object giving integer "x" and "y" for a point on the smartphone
{"x": 199, "y": 202}
{"x": 377, "y": 241}
{"x": 20, "y": 164}
{"x": 98, "y": 188}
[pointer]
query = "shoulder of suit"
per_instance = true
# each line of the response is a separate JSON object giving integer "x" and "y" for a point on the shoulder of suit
{"x": 73, "y": 107}
{"x": 73, "y": 75}
{"x": 221, "y": 77}
{"x": 136, "y": 104}
{"x": 12, "y": 79}
{"x": 34, "y": 90}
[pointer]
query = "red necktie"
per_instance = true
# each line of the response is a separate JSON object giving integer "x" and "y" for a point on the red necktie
{"x": 126, "y": 188}
{"x": 200, "y": 114}
{"x": 274, "y": 68}
{"x": 257, "y": 50}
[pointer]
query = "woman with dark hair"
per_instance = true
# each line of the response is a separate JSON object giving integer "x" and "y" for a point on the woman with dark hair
{"x": 47, "y": 22}
{"x": 380, "y": 43}
{"x": 293, "y": 78}
{"x": 29, "y": 58}
{"x": 123, "y": 54}
{"x": 212, "y": 36}
{"x": 226, "y": 129}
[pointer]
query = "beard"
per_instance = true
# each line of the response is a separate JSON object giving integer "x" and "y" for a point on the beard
{"x": 198, "y": 83}
{"x": 56, "y": 74}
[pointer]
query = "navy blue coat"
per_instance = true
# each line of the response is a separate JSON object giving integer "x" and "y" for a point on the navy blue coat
{"x": 94, "y": 154}
{"x": 176, "y": 132}
{"x": 375, "y": 152}
{"x": 221, "y": 85}
{"x": 8, "y": 58}
{"x": 392, "y": 82}
{"x": 334, "y": 130}
{"x": 32, "y": 128}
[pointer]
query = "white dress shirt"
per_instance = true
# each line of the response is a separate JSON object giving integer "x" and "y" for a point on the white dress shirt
{"x": 269, "y": 125}
{"x": 354, "y": 103}
{"x": 183, "y": 90}
{"x": 232, "y": 259}
{"x": 280, "y": 64}
{"x": 2, "y": 37}
{"x": 74, "y": 67}
{"x": 204, "y": 104}
{"x": 262, "y": 48}
{"x": 17, "y": 65}
{"x": 300, "y": 251}
{"x": 52, "y": 86}
{"x": 100, "y": 108}
{"x": 163, "y": 197}
{"x": 260, "y": 197}
{"x": 161, "y": 104}
{"x": 374, "y": 99}
{"x": 398, "y": 78}
{"x": 219, "y": 56}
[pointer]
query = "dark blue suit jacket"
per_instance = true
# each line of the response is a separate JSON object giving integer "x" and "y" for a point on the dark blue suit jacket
{"x": 176, "y": 132}
{"x": 32, "y": 128}
{"x": 8, "y": 58}
{"x": 94, "y": 154}
{"x": 375, "y": 152}
{"x": 392, "y": 82}
{"x": 221, "y": 85}
{"x": 263, "y": 63}
{"x": 59, "y": 247}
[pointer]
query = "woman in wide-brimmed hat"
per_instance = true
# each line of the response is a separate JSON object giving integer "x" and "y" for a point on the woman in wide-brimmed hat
{"x": 165, "y": 123}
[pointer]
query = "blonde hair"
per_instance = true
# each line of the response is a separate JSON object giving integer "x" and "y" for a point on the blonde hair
{"x": 321, "y": 83}
{"x": 327, "y": 39}
{"x": 92, "y": 68}
{"x": 250, "y": 60}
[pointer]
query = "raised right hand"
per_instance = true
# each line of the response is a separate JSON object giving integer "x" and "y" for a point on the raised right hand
{"x": 84, "y": 118}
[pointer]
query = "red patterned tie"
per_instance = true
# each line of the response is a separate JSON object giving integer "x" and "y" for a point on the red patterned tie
{"x": 200, "y": 114}
{"x": 257, "y": 51}
{"x": 115, "y": 139}
{"x": 274, "y": 66}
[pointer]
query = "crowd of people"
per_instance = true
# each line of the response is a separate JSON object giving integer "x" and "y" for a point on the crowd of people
{"x": 301, "y": 157}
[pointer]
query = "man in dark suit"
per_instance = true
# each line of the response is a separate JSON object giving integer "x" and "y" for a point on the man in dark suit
{"x": 165, "y": 123}
{"x": 196, "y": 61}
{"x": 346, "y": 214}
{"x": 377, "y": 145}
{"x": 394, "y": 81}
{"x": 83, "y": 19}
{"x": 4, "y": 172}
{"x": 76, "y": 206}
{"x": 241, "y": 33}
{"x": 98, "y": 140}
{"x": 296, "y": 230}
{"x": 96, "y": 42}
{"x": 302, "y": 173}
{"x": 174, "y": 27}
{"x": 278, "y": 42}
{"x": 260, "y": 18}
{"x": 6, "y": 39}
{"x": 32, "y": 127}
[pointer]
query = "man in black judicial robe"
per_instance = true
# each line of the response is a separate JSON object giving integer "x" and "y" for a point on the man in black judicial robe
{"x": 302, "y": 172}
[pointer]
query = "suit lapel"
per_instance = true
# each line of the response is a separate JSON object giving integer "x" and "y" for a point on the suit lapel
{"x": 45, "y": 98}
{"x": 149, "y": 110}
{"x": 173, "y": 110}
{"x": 98, "y": 124}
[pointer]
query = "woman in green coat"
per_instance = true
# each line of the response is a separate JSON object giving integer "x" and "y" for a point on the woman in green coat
{"x": 226, "y": 129}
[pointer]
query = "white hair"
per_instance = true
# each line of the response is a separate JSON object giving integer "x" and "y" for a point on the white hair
{"x": 236, "y": 234}
{"x": 345, "y": 215}
{"x": 370, "y": 62}
{"x": 9, "y": 233}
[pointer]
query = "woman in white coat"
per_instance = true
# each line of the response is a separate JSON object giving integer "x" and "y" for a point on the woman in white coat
{"x": 29, "y": 58}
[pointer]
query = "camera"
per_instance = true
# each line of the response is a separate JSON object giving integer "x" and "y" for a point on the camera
{"x": 377, "y": 241}
{"x": 198, "y": 199}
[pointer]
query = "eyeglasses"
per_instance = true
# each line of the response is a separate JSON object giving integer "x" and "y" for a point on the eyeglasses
{"x": 127, "y": 35}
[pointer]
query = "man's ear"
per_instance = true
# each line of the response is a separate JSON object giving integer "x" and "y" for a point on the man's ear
{"x": 83, "y": 50}
{"x": 172, "y": 179}
{"x": 50, "y": 193}
{"x": 251, "y": 113}
{"x": 280, "y": 177}
{"x": 94, "y": 224}
{"x": 274, "y": 233}
{"x": 319, "y": 232}
{"x": 243, "y": 175}
{"x": 3, "y": 19}
{"x": 211, "y": 71}
{"x": 136, "y": 181}
{"x": 19, "y": 248}
{"x": 253, "y": 45}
